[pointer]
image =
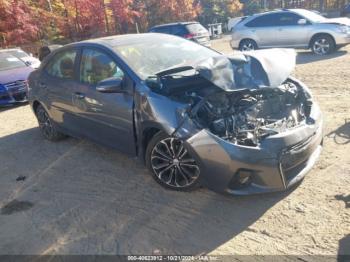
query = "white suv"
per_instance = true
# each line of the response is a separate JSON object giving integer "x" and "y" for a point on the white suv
{"x": 291, "y": 28}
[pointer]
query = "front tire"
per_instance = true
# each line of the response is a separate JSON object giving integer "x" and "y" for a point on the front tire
{"x": 47, "y": 128}
{"x": 322, "y": 45}
{"x": 171, "y": 164}
{"x": 248, "y": 45}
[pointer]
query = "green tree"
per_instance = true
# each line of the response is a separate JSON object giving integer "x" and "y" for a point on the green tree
{"x": 218, "y": 11}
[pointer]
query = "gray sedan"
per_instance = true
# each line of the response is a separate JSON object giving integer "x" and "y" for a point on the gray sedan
{"x": 238, "y": 125}
{"x": 293, "y": 28}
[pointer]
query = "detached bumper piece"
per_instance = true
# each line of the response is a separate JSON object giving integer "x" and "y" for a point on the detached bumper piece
{"x": 278, "y": 163}
{"x": 14, "y": 92}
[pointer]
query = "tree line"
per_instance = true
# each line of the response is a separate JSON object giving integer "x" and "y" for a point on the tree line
{"x": 60, "y": 21}
{"x": 25, "y": 22}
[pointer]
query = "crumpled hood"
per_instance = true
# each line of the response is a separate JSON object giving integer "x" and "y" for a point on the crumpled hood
{"x": 218, "y": 70}
{"x": 339, "y": 20}
{"x": 271, "y": 66}
{"x": 278, "y": 64}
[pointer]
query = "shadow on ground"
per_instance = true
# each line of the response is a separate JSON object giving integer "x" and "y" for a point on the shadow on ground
{"x": 308, "y": 57}
{"x": 10, "y": 107}
{"x": 87, "y": 199}
{"x": 344, "y": 249}
{"x": 346, "y": 199}
{"x": 341, "y": 135}
{"x": 344, "y": 243}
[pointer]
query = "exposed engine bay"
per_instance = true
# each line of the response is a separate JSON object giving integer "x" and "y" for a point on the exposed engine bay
{"x": 238, "y": 99}
{"x": 245, "y": 117}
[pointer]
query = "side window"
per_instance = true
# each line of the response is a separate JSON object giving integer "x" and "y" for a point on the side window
{"x": 96, "y": 66}
{"x": 264, "y": 21}
{"x": 62, "y": 65}
{"x": 288, "y": 19}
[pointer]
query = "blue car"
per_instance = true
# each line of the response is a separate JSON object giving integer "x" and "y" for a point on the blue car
{"x": 13, "y": 79}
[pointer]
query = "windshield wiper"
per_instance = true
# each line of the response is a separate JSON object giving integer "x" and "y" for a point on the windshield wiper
{"x": 173, "y": 70}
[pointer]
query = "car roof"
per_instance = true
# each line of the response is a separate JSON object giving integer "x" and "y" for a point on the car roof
{"x": 276, "y": 11}
{"x": 299, "y": 9}
{"x": 292, "y": 10}
{"x": 174, "y": 24}
{"x": 265, "y": 13}
{"x": 120, "y": 40}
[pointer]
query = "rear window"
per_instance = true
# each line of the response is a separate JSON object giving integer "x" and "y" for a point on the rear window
{"x": 164, "y": 30}
{"x": 196, "y": 27}
{"x": 179, "y": 30}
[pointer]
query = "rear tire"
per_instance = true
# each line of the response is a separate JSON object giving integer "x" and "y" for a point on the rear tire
{"x": 247, "y": 45}
{"x": 323, "y": 45}
{"x": 47, "y": 128}
{"x": 171, "y": 164}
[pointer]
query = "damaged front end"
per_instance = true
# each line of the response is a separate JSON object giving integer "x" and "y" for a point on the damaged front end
{"x": 248, "y": 116}
{"x": 251, "y": 127}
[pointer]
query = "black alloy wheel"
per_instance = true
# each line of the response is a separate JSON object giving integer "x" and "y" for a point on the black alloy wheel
{"x": 47, "y": 127}
{"x": 171, "y": 164}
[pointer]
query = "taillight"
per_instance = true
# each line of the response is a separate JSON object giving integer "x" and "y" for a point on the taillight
{"x": 189, "y": 36}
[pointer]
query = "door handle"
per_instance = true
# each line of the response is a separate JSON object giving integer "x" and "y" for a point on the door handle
{"x": 79, "y": 95}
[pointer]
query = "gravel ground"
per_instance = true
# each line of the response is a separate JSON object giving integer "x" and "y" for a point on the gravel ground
{"x": 81, "y": 198}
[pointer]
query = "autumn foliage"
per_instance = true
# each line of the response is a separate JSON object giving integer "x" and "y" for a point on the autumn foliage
{"x": 60, "y": 21}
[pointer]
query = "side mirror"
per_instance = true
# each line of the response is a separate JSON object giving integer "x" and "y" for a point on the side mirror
{"x": 111, "y": 85}
{"x": 28, "y": 63}
{"x": 302, "y": 21}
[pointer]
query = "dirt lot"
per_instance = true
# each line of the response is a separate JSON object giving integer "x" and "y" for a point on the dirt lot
{"x": 81, "y": 198}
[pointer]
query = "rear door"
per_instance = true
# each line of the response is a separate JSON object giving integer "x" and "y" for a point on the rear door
{"x": 57, "y": 84}
{"x": 106, "y": 118}
{"x": 264, "y": 29}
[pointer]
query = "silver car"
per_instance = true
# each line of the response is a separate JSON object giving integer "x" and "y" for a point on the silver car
{"x": 294, "y": 28}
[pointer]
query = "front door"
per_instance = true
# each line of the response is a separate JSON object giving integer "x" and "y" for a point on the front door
{"x": 290, "y": 33}
{"x": 105, "y": 117}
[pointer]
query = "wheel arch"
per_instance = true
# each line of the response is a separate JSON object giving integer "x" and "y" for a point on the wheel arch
{"x": 320, "y": 34}
{"x": 35, "y": 103}
{"x": 146, "y": 136}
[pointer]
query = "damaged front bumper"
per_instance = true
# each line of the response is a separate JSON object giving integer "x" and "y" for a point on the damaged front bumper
{"x": 279, "y": 162}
